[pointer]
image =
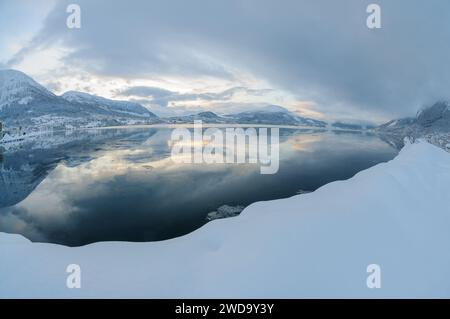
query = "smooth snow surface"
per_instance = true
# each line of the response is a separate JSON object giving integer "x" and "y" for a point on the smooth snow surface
{"x": 319, "y": 244}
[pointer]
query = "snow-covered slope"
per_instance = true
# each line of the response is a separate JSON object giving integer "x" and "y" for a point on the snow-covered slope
{"x": 274, "y": 118}
{"x": 435, "y": 118}
{"x": 112, "y": 106}
{"x": 16, "y": 88}
{"x": 25, "y": 103}
{"x": 438, "y": 115}
{"x": 266, "y": 115}
{"x": 206, "y": 117}
{"x": 431, "y": 123}
{"x": 319, "y": 244}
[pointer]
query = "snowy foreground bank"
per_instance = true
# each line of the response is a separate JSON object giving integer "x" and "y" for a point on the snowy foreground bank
{"x": 319, "y": 244}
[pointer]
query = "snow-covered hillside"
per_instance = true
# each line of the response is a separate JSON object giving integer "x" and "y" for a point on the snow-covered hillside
{"x": 319, "y": 244}
{"x": 431, "y": 123}
{"x": 269, "y": 117}
{"x": 264, "y": 116}
{"x": 123, "y": 107}
{"x": 25, "y": 103}
{"x": 18, "y": 88}
{"x": 206, "y": 117}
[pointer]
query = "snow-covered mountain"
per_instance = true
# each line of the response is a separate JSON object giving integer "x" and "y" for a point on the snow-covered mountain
{"x": 431, "y": 123}
{"x": 109, "y": 106}
{"x": 22, "y": 98}
{"x": 436, "y": 116}
{"x": 16, "y": 88}
{"x": 205, "y": 117}
{"x": 25, "y": 103}
{"x": 275, "y": 114}
{"x": 277, "y": 117}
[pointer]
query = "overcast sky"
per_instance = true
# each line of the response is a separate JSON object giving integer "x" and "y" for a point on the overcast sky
{"x": 316, "y": 58}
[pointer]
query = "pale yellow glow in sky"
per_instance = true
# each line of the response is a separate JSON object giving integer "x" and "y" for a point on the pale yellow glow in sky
{"x": 63, "y": 80}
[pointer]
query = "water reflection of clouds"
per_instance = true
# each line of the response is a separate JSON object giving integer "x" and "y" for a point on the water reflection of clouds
{"x": 303, "y": 142}
{"x": 59, "y": 201}
{"x": 124, "y": 189}
{"x": 52, "y": 201}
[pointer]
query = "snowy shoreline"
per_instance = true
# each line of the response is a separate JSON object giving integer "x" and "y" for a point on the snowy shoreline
{"x": 318, "y": 244}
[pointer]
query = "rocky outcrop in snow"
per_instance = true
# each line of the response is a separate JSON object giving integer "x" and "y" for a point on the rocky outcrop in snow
{"x": 225, "y": 211}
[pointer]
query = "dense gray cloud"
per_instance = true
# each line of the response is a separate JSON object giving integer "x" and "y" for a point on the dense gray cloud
{"x": 319, "y": 50}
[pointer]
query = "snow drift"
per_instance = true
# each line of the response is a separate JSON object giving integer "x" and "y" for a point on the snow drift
{"x": 395, "y": 214}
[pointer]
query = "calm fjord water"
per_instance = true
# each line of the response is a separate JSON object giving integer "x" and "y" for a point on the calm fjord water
{"x": 121, "y": 184}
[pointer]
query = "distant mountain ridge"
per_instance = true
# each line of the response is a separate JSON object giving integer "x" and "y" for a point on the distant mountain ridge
{"x": 275, "y": 118}
{"x": 27, "y": 104}
{"x": 249, "y": 117}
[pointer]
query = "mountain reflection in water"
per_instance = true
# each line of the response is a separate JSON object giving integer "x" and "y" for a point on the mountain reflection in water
{"x": 121, "y": 184}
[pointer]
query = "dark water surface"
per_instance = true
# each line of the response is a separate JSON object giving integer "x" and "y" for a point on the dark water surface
{"x": 122, "y": 185}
